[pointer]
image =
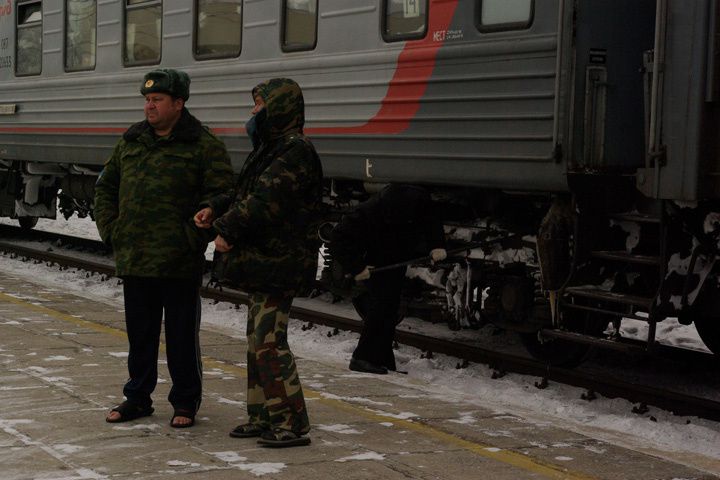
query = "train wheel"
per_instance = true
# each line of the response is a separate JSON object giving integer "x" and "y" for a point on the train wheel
{"x": 707, "y": 316}
{"x": 709, "y": 330}
{"x": 27, "y": 223}
{"x": 564, "y": 353}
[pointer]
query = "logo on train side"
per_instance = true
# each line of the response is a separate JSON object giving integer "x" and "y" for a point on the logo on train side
{"x": 443, "y": 35}
{"x": 368, "y": 168}
{"x": 6, "y": 9}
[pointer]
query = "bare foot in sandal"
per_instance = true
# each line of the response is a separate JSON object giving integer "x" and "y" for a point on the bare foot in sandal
{"x": 113, "y": 417}
{"x": 127, "y": 411}
{"x": 182, "y": 418}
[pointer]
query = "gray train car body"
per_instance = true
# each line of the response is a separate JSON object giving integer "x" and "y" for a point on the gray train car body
{"x": 457, "y": 107}
{"x": 605, "y": 110}
{"x": 513, "y": 108}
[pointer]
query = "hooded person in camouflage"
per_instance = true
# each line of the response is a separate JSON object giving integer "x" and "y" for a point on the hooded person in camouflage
{"x": 270, "y": 236}
{"x": 160, "y": 173}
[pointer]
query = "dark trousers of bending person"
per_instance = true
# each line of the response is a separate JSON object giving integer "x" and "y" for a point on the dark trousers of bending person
{"x": 147, "y": 300}
{"x": 378, "y": 307}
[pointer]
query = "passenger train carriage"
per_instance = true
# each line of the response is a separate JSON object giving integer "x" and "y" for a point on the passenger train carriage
{"x": 603, "y": 113}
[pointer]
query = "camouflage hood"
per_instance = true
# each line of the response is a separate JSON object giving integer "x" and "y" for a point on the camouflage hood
{"x": 284, "y": 108}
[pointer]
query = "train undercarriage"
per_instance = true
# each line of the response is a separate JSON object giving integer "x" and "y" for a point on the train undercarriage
{"x": 602, "y": 262}
{"x": 30, "y": 190}
{"x": 565, "y": 271}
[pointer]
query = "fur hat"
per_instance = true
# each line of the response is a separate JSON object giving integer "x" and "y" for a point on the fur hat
{"x": 167, "y": 80}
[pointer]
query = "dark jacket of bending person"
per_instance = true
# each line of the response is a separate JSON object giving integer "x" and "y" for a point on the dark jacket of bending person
{"x": 394, "y": 226}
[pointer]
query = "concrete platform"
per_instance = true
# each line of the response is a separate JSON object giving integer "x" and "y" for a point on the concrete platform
{"x": 62, "y": 366}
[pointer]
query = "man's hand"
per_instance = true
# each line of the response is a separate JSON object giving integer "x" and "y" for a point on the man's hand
{"x": 221, "y": 245}
{"x": 204, "y": 218}
{"x": 437, "y": 255}
{"x": 364, "y": 275}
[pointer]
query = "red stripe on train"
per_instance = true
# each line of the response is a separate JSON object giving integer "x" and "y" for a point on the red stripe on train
{"x": 415, "y": 64}
{"x": 78, "y": 130}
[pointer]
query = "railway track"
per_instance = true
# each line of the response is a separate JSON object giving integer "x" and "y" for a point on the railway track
{"x": 606, "y": 384}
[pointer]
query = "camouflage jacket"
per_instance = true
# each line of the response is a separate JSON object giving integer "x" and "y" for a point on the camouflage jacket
{"x": 149, "y": 191}
{"x": 272, "y": 222}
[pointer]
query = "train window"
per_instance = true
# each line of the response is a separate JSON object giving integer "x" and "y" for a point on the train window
{"x": 299, "y": 25}
{"x": 495, "y": 15}
{"x": 143, "y": 32}
{"x": 28, "y": 58}
{"x": 218, "y": 28}
{"x": 405, "y": 19}
{"x": 80, "y": 34}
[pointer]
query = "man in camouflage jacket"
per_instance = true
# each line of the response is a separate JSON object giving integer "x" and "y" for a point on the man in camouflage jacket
{"x": 160, "y": 173}
{"x": 270, "y": 236}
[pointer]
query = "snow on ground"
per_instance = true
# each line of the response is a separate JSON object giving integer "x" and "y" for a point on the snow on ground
{"x": 658, "y": 432}
{"x": 78, "y": 227}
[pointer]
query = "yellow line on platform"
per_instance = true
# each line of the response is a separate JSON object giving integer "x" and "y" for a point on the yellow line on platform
{"x": 98, "y": 327}
{"x": 518, "y": 460}
{"x": 61, "y": 316}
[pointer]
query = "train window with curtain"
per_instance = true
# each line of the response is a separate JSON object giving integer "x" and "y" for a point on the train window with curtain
{"x": 218, "y": 28}
{"x": 405, "y": 19}
{"x": 496, "y": 15}
{"x": 299, "y": 30}
{"x": 80, "y": 34}
{"x": 143, "y": 32}
{"x": 28, "y": 53}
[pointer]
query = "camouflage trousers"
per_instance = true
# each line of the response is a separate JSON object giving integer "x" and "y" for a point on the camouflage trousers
{"x": 274, "y": 397}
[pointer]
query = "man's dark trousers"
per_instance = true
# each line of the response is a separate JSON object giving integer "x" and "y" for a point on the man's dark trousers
{"x": 145, "y": 301}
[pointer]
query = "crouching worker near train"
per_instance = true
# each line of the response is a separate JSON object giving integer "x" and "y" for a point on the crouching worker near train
{"x": 269, "y": 235}
{"x": 161, "y": 172}
{"x": 392, "y": 227}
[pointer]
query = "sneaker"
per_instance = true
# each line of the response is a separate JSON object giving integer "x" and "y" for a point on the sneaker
{"x": 359, "y": 365}
{"x": 280, "y": 438}
{"x": 247, "y": 430}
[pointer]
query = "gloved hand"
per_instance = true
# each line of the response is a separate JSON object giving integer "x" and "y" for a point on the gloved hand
{"x": 437, "y": 255}
{"x": 364, "y": 275}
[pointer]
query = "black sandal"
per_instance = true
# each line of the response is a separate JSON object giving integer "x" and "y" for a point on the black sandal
{"x": 129, "y": 411}
{"x": 183, "y": 412}
{"x": 280, "y": 438}
{"x": 247, "y": 430}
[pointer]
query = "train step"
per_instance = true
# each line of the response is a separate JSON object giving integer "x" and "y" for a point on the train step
{"x": 611, "y": 297}
{"x": 622, "y": 256}
{"x": 628, "y": 312}
{"x": 635, "y": 217}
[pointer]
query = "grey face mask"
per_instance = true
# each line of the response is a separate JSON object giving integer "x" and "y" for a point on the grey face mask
{"x": 254, "y": 126}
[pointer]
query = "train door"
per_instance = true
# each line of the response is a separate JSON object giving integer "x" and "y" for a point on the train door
{"x": 611, "y": 88}
{"x": 684, "y": 163}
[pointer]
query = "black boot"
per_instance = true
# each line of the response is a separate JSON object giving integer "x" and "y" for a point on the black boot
{"x": 359, "y": 365}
